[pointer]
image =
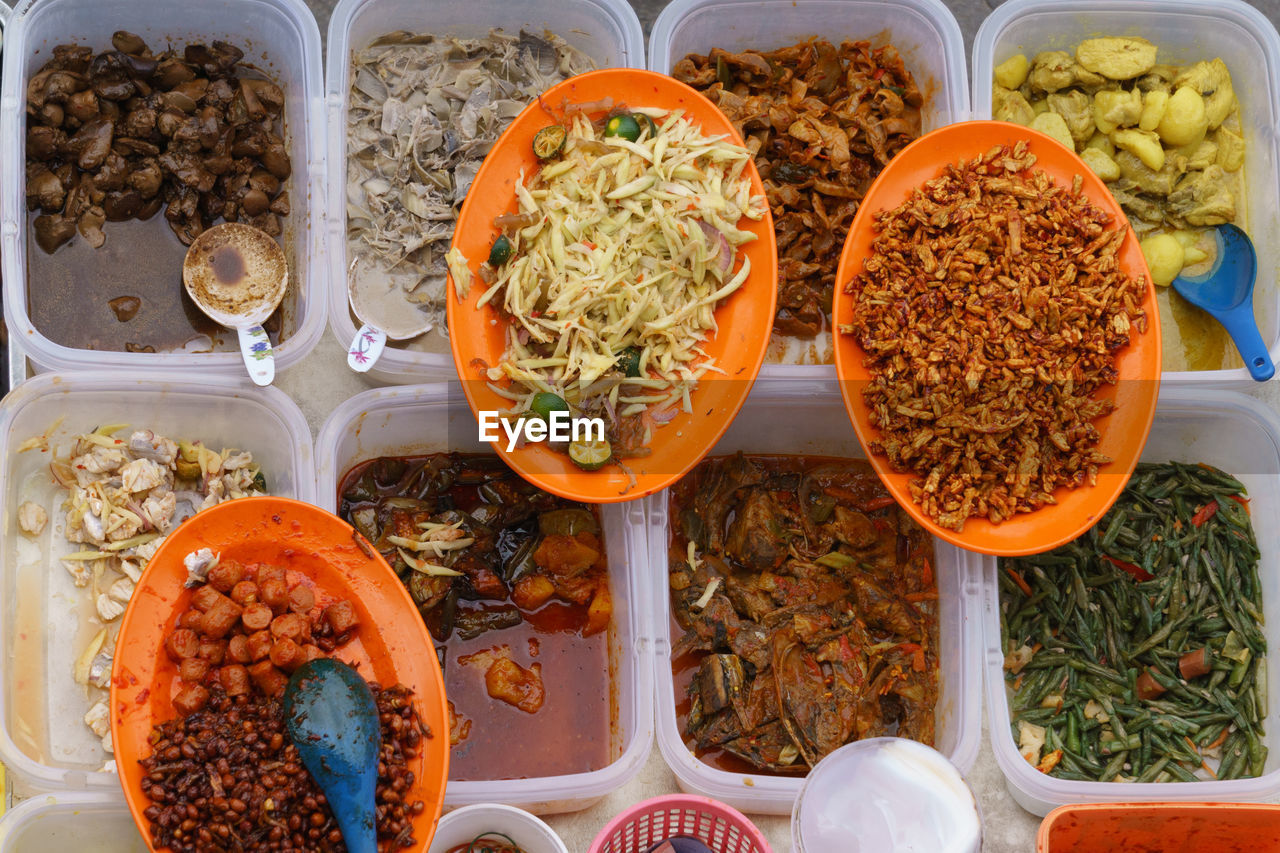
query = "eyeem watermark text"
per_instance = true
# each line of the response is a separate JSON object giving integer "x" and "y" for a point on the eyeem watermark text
{"x": 562, "y": 427}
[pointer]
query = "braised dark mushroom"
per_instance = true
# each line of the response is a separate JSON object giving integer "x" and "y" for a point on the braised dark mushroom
{"x": 117, "y": 135}
{"x": 127, "y": 42}
{"x": 92, "y": 142}
{"x": 52, "y": 231}
{"x": 90, "y": 226}
{"x": 44, "y": 189}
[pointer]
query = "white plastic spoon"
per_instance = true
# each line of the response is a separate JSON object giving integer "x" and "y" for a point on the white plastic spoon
{"x": 237, "y": 275}
{"x": 378, "y": 304}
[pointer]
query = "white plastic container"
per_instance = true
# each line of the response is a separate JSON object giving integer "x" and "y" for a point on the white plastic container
{"x": 43, "y": 740}
{"x": 924, "y": 32}
{"x": 13, "y": 356}
{"x": 420, "y": 419}
{"x": 1241, "y": 436}
{"x": 818, "y": 427}
{"x": 608, "y": 31}
{"x": 279, "y": 36}
{"x": 64, "y": 821}
{"x": 886, "y": 793}
{"x": 1185, "y": 31}
{"x": 465, "y": 824}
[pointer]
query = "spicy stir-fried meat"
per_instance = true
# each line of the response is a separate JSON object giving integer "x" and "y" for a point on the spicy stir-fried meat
{"x": 991, "y": 309}
{"x": 821, "y": 122}
{"x": 808, "y": 596}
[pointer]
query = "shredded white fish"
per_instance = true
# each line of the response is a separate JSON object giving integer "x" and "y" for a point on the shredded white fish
{"x": 635, "y": 245}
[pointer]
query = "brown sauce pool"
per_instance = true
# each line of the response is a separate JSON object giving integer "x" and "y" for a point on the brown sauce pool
{"x": 69, "y": 292}
{"x": 573, "y": 730}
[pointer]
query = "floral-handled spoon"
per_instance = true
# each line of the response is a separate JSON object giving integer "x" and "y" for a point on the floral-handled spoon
{"x": 237, "y": 275}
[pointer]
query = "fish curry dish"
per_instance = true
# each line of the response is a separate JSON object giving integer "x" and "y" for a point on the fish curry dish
{"x": 809, "y": 612}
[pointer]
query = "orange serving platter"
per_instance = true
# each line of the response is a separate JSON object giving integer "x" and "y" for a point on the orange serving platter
{"x": 1124, "y": 431}
{"x": 478, "y": 336}
{"x": 391, "y": 645}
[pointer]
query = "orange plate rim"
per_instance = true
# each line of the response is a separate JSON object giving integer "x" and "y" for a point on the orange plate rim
{"x": 324, "y": 541}
{"x": 745, "y": 319}
{"x": 1124, "y": 431}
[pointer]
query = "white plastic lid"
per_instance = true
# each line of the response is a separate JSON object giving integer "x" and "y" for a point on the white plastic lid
{"x": 886, "y": 795}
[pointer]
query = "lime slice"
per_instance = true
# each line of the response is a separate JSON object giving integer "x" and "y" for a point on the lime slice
{"x": 590, "y": 455}
{"x": 549, "y": 141}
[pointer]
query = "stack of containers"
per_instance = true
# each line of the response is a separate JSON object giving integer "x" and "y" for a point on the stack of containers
{"x": 70, "y": 822}
{"x": 826, "y": 432}
{"x": 49, "y": 752}
{"x": 7, "y": 361}
{"x": 422, "y": 419}
{"x": 605, "y": 30}
{"x": 279, "y": 36}
{"x": 1242, "y": 437}
{"x": 1192, "y": 424}
{"x": 44, "y": 743}
{"x": 924, "y": 32}
{"x": 1185, "y": 31}
{"x": 804, "y": 396}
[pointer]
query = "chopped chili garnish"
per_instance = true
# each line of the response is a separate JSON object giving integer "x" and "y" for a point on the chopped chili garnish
{"x": 1022, "y": 585}
{"x": 1137, "y": 571}
{"x": 1205, "y": 513}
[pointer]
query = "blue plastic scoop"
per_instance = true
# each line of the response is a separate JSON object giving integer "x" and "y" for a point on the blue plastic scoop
{"x": 332, "y": 719}
{"x": 1226, "y": 292}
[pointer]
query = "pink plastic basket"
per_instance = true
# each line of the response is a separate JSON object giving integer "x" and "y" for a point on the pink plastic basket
{"x": 720, "y": 827}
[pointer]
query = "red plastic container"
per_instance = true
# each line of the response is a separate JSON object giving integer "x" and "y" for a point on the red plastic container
{"x": 1161, "y": 828}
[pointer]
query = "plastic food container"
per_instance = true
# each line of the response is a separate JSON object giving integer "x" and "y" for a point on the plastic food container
{"x": 462, "y": 825}
{"x": 421, "y": 419}
{"x": 924, "y": 32}
{"x": 1185, "y": 31}
{"x": 1241, "y": 436}
{"x": 8, "y": 354}
{"x": 721, "y": 827}
{"x": 279, "y": 36}
{"x": 1203, "y": 827}
{"x": 820, "y": 429}
{"x": 67, "y": 821}
{"x": 43, "y": 740}
{"x": 606, "y": 30}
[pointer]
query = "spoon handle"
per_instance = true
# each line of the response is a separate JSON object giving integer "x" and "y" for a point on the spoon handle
{"x": 366, "y": 348}
{"x": 1240, "y": 324}
{"x": 259, "y": 357}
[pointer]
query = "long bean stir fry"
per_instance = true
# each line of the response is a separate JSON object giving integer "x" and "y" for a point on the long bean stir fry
{"x": 1135, "y": 653}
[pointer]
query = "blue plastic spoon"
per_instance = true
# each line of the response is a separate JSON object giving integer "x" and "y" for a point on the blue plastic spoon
{"x": 332, "y": 719}
{"x": 1226, "y": 292}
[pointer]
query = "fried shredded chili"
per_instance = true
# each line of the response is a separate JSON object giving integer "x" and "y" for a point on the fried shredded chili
{"x": 991, "y": 308}
{"x": 821, "y": 123}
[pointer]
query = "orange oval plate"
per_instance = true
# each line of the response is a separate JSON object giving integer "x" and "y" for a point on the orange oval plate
{"x": 391, "y": 646}
{"x": 478, "y": 336}
{"x": 1124, "y": 431}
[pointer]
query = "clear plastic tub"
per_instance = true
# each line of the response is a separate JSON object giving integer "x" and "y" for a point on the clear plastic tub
{"x": 608, "y": 31}
{"x": 420, "y": 419}
{"x": 820, "y": 428}
{"x": 1185, "y": 31}
{"x": 11, "y": 355}
{"x": 63, "y": 821}
{"x": 1241, "y": 436}
{"x": 279, "y": 36}
{"x": 924, "y": 32}
{"x": 43, "y": 628}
